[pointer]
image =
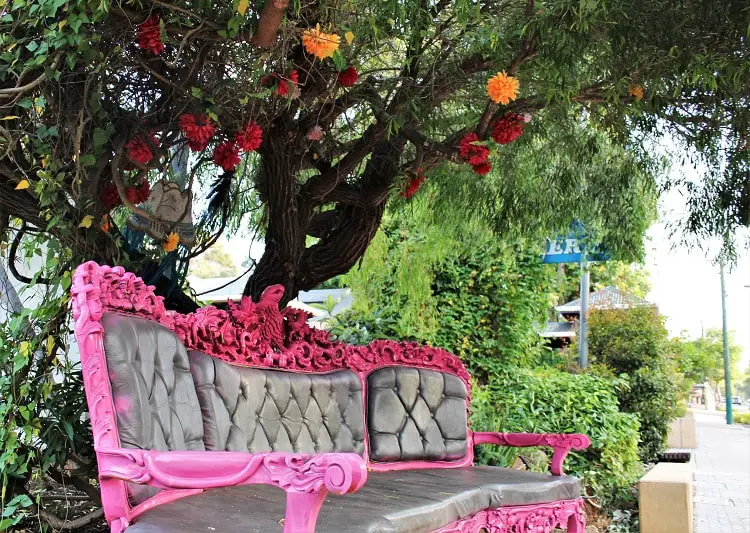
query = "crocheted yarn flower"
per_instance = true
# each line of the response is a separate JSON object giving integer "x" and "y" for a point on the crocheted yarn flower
{"x": 319, "y": 44}
{"x": 502, "y": 88}
{"x": 139, "y": 193}
{"x": 482, "y": 168}
{"x": 250, "y": 138}
{"x": 348, "y": 77}
{"x": 413, "y": 186}
{"x": 139, "y": 149}
{"x": 149, "y": 36}
{"x": 110, "y": 197}
{"x": 636, "y": 91}
{"x": 315, "y": 133}
{"x": 508, "y": 128}
{"x": 227, "y": 156}
{"x": 170, "y": 245}
{"x": 198, "y": 130}
{"x": 471, "y": 152}
{"x": 283, "y": 86}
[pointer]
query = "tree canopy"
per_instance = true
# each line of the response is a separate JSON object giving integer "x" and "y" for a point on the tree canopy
{"x": 308, "y": 117}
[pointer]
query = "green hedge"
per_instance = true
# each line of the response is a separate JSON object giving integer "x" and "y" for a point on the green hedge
{"x": 552, "y": 401}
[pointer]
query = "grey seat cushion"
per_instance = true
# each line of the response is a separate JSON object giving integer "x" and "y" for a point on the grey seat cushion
{"x": 416, "y": 414}
{"x": 152, "y": 389}
{"x": 257, "y": 410}
{"x": 413, "y": 501}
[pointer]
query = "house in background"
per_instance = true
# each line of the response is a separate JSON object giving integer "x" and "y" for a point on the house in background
{"x": 561, "y": 333}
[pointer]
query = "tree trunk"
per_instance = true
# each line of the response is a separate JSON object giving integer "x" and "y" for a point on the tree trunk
{"x": 344, "y": 232}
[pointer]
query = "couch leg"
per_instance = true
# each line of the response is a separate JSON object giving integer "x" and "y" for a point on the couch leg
{"x": 576, "y": 523}
{"x": 302, "y": 510}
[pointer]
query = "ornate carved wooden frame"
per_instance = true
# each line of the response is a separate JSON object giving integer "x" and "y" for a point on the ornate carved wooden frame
{"x": 237, "y": 337}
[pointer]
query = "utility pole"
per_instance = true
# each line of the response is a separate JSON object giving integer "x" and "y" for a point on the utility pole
{"x": 727, "y": 365}
{"x": 583, "y": 333}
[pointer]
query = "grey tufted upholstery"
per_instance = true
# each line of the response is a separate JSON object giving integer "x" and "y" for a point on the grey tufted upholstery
{"x": 154, "y": 397}
{"x": 257, "y": 410}
{"x": 416, "y": 414}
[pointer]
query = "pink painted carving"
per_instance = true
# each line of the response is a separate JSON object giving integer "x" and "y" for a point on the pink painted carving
{"x": 257, "y": 334}
{"x": 561, "y": 443}
{"x": 540, "y": 518}
{"x": 336, "y": 472}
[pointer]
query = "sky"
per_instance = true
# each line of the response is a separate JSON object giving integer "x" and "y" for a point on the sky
{"x": 686, "y": 285}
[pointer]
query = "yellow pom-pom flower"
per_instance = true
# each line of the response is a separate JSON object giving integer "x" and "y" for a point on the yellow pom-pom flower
{"x": 170, "y": 245}
{"x": 319, "y": 44}
{"x": 636, "y": 91}
{"x": 502, "y": 88}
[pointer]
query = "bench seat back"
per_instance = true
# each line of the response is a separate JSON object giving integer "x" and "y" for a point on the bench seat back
{"x": 209, "y": 381}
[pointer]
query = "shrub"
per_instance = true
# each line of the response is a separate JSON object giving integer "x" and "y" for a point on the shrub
{"x": 552, "y": 401}
{"x": 742, "y": 418}
{"x": 634, "y": 342}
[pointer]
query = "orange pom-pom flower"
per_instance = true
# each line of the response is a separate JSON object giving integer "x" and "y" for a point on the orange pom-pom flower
{"x": 502, "y": 88}
{"x": 319, "y": 44}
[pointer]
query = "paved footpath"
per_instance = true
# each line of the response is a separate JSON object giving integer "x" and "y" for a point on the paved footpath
{"x": 722, "y": 475}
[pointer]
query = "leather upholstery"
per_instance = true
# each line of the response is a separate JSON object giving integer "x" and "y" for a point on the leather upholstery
{"x": 416, "y": 414}
{"x": 258, "y": 410}
{"x": 413, "y": 501}
{"x": 152, "y": 389}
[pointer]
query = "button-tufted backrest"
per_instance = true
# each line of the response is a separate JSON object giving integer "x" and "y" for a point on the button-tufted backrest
{"x": 258, "y": 410}
{"x": 152, "y": 389}
{"x": 416, "y": 414}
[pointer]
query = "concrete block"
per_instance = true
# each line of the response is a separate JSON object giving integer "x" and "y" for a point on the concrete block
{"x": 665, "y": 499}
{"x": 682, "y": 433}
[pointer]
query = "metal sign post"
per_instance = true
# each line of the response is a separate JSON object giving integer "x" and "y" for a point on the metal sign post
{"x": 583, "y": 335}
{"x": 727, "y": 362}
{"x": 574, "y": 248}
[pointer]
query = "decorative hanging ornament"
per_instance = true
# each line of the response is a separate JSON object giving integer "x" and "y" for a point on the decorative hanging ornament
{"x": 149, "y": 36}
{"x": 227, "y": 156}
{"x": 171, "y": 209}
{"x": 348, "y": 77}
{"x": 471, "y": 151}
{"x": 502, "y": 88}
{"x": 249, "y": 138}
{"x": 197, "y": 129}
{"x": 319, "y": 44}
{"x": 508, "y": 128}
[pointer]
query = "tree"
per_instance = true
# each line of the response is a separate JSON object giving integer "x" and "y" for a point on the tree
{"x": 634, "y": 343}
{"x": 702, "y": 359}
{"x": 343, "y": 120}
{"x": 215, "y": 263}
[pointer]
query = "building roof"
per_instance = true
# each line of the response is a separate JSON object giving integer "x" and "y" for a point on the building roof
{"x": 557, "y": 330}
{"x": 606, "y": 298}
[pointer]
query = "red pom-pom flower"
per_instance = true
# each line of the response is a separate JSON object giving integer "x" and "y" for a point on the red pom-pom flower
{"x": 149, "y": 36}
{"x": 413, "y": 186}
{"x": 139, "y": 193}
{"x": 139, "y": 148}
{"x": 227, "y": 156}
{"x": 482, "y": 168}
{"x": 348, "y": 77}
{"x": 198, "y": 130}
{"x": 110, "y": 197}
{"x": 508, "y": 128}
{"x": 474, "y": 154}
{"x": 284, "y": 86}
{"x": 250, "y": 138}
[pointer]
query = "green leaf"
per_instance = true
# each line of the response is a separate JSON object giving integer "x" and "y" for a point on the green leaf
{"x": 339, "y": 60}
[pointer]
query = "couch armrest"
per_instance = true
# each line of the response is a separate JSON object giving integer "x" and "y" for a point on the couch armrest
{"x": 561, "y": 443}
{"x": 338, "y": 472}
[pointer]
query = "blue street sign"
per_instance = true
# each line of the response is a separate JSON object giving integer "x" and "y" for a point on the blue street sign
{"x": 574, "y": 248}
